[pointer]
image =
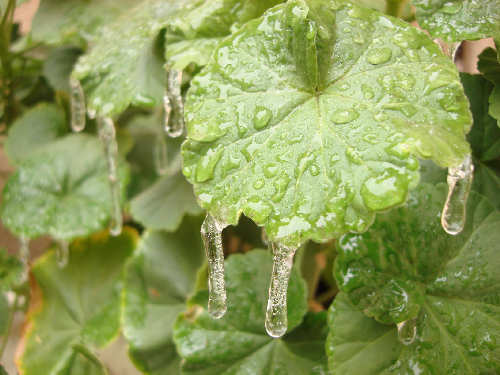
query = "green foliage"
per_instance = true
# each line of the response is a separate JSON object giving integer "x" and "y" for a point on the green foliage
{"x": 307, "y": 120}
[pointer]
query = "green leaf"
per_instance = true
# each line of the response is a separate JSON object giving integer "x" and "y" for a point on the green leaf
{"x": 407, "y": 267}
{"x": 454, "y": 21}
{"x": 238, "y": 343}
{"x": 61, "y": 190}
{"x": 357, "y": 344}
{"x": 308, "y": 119}
{"x": 58, "y": 66}
{"x": 2, "y": 371}
{"x": 11, "y": 271}
{"x": 484, "y": 138}
{"x": 76, "y": 309}
{"x": 164, "y": 204}
{"x": 4, "y": 314}
{"x": 38, "y": 127}
{"x": 199, "y": 27}
{"x": 75, "y": 21}
{"x": 159, "y": 278}
{"x": 490, "y": 66}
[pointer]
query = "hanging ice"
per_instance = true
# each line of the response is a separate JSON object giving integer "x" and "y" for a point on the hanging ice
{"x": 161, "y": 154}
{"x": 459, "y": 183}
{"x": 211, "y": 232}
{"x": 173, "y": 104}
{"x": 107, "y": 135}
{"x": 276, "y": 314}
{"x": 407, "y": 331}
{"x": 62, "y": 253}
{"x": 77, "y": 105}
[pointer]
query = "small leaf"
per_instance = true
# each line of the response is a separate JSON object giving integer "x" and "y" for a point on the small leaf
{"x": 159, "y": 278}
{"x": 38, "y": 126}
{"x": 75, "y": 21}
{"x": 75, "y": 309}
{"x": 309, "y": 119}
{"x": 490, "y": 66}
{"x": 11, "y": 271}
{"x": 454, "y": 21}
{"x": 238, "y": 343}
{"x": 357, "y": 344}
{"x": 164, "y": 204}
{"x": 407, "y": 267}
{"x": 58, "y": 66}
{"x": 61, "y": 190}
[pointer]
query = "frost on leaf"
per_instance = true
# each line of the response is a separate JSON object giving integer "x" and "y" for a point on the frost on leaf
{"x": 311, "y": 118}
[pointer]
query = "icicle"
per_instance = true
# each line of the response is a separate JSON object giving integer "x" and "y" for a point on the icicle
{"x": 24, "y": 255}
{"x": 211, "y": 232}
{"x": 459, "y": 183}
{"x": 161, "y": 154}
{"x": 62, "y": 253}
{"x": 276, "y": 314}
{"x": 407, "y": 331}
{"x": 173, "y": 105}
{"x": 77, "y": 105}
{"x": 108, "y": 138}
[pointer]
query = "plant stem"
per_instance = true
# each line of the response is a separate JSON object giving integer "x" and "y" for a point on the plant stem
{"x": 5, "y": 338}
{"x": 394, "y": 7}
{"x": 7, "y": 84}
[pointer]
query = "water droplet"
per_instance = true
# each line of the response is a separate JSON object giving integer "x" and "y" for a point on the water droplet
{"x": 271, "y": 170}
{"x": 107, "y": 135}
{"x": 451, "y": 8}
{"x": 276, "y": 314}
{"x": 368, "y": 92}
{"x": 353, "y": 155}
{"x": 280, "y": 186}
{"x": 206, "y": 166}
{"x": 459, "y": 183}
{"x": 62, "y": 253}
{"x": 379, "y": 55}
{"x": 407, "y": 331}
{"x": 384, "y": 191}
{"x": 262, "y": 117}
{"x": 344, "y": 116}
{"x": 77, "y": 105}
{"x": 259, "y": 184}
{"x": 211, "y": 233}
{"x": 160, "y": 154}
{"x": 173, "y": 104}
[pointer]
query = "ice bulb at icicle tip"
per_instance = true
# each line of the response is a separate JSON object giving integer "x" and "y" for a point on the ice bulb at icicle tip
{"x": 211, "y": 233}
{"x": 107, "y": 135}
{"x": 459, "y": 183}
{"x": 173, "y": 104}
{"x": 62, "y": 253}
{"x": 407, "y": 331}
{"x": 276, "y": 314}
{"x": 77, "y": 105}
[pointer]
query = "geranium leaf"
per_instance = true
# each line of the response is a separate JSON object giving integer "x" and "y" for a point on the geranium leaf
{"x": 490, "y": 66}
{"x": 159, "y": 278}
{"x": 308, "y": 120}
{"x": 76, "y": 309}
{"x": 406, "y": 267}
{"x": 61, "y": 190}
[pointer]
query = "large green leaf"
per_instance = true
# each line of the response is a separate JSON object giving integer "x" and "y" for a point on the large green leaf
{"x": 200, "y": 26}
{"x": 489, "y": 65}
{"x": 407, "y": 267}
{"x": 238, "y": 343}
{"x": 308, "y": 119}
{"x": 75, "y": 309}
{"x": 165, "y": 203}
{"x": 58, "y": 66}
{"x": 484, "y": 138}
{"x": 75, "y": 21}
{"x": 458, "y": 20}
{"x": 37, "y": 127}
{"x": 159, "y": 278}
{"x": 61, "y": 190}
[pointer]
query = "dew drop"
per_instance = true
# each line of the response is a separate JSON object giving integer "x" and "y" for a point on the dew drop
{"x": 206, "y": 166}
{"x": 173, "y": 104}
{"x": 77, "y": 105}
{"x": 259, "y": 184}
{"x": 459, "y": 183}
{"x": 107, "y": 135}
{"x": 368, "y": 92}
{"x": 211, "y": 233}
{"x": 344, "y": 116}
{"x": 276, "y": 314}
{"x": 379, "y": 56}
{"x": 62, "y": 253}
{"x": 262, "y": 117}
{"x": 407, "y": 331}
